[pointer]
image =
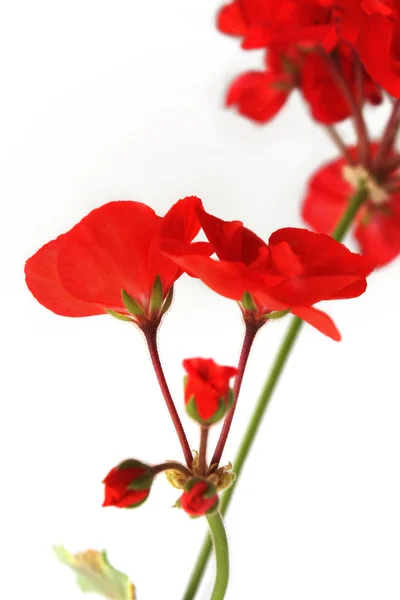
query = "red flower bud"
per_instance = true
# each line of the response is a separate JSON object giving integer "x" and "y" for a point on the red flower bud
{"x": 199, "y": 498}
{"x": 207, "y": 392}
{"x": 128, "y": 485}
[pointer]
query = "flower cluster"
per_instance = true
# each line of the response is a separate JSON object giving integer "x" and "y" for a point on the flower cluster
{"x": 338, "y": 55}
{"x": 122, "y": 260}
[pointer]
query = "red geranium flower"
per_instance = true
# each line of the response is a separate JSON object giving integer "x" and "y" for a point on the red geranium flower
{"x": 128, "y": 485}
{"x": 115, "y": 247}
{"x": 320, "y": 89}
{"x": 261, "y": 22}
{"x": 296, "y": 269}
{"x": 377, "y": 227}
{"x": 373, "y": 28}
{"x": 259, "y": 95}
{"x": 207, "y": 392}
{"x": 199, "y": 498}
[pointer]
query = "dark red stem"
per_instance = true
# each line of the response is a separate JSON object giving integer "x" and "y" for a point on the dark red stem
{"x": 388, "y": 136}
{"x": 249, "y": 336}
{"x": 359, "y": 122}
{"x": 204, "y": 429}
{"x": 151, "y": 339}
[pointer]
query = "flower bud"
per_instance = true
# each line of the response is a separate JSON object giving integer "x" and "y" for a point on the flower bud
{"x": 199, "y": 498}
{"x": 128, "y": 485}
{"x": 207, "y": 393}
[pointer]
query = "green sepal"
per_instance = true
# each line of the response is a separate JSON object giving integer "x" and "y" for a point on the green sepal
{"x": 192, "y": 482}
{"x": 156, "y": 298}
{"x": 130, "y": 304}
{"x": 231, "y": 399}
{"x": 143, "y": 482}
{"x": 168, "y": 301}
{"x": 94, "y": 574}
{"x": 192, "y": 411}
{"x": 219, "y": 413}
{"x": 277, "y": 314}
{"x": 117, "y": 315}
{"x": 132, "y": 463}
{"x": 213, "y": 509}
{"x": 247, "y": 302}
{"x": 211, "y": 491}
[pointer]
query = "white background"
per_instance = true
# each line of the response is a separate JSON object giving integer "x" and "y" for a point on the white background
{"x": 110, "y": 100}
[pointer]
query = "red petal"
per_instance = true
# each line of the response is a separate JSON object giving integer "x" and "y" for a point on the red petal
{"x": 258, "y": 95}
{"x": 317, "y": 319}
{"x": 43, "y": 281}
{"x": 181, "y": 223}
{"x": 379, "y": 236}
{"x": 107, "y": 251}
{"x": 326, "y": 198}
{"x": 230, "y": 20}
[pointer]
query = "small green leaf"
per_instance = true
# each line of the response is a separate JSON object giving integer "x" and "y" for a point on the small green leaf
{"x": 156, "y": 295}
{"x": 117, "y": 315}
{"x": 168, "y": 301}
{"x": 130, "y": 304}
{"x": 95, "y": 574}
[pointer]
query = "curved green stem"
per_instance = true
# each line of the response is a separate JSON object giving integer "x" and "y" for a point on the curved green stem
{"x": 220, "y": 543}
{"x": 266, "y": 393}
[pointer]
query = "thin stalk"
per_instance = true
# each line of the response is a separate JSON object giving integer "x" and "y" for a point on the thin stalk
{"x": 151, "y": 339}
{"x": 264, "y": 399}
{"x": 388, "y": 136}
{"x": 171, "y": 465}
{"x": 339, "y": 143}
{"x": 204, "y": 429}
{"x": 220, "y": 543}
{"x": 249, "y": 336}
{"x": 359, "y": 121}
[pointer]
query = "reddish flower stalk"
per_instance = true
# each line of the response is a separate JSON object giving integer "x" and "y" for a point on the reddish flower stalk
{"x": 339, "y": 143}
{"x": 249, "y": 337}
{"x": 204, "y": 429}
{"x": 359, "y": 122}
{"x": 151, "y": 339}
{"x": 389, "y": 135}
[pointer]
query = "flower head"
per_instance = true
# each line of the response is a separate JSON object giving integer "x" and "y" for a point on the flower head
{"x": 128, "y": 485}
{"x": 377, "y": 226}
{"x": 111, "y": 262}
{"x": 208, "y": 395}
{"x": 199, "y": 498}
{"x": 296, "y": 269}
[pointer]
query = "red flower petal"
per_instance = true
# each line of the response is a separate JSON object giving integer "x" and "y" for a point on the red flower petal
{"x": 230, "y": 20}
{"x": 108, "y": 251}
{"x": 259, "y": 95}
{"x": 44, "y": 283}
{"x": 317, "y": 319}
{"x": 379, "y": 233}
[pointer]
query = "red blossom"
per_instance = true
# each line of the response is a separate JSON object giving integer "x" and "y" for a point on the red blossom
{"x": 296, "y": 269}
{"x": 199, "y": 498}
{"x": 207, "y": 392}
{"x": 115, "y": 247}
{"x": 377, "y": 226}
{"x": 373, "y": 28}
{"x": 128, "y": 485}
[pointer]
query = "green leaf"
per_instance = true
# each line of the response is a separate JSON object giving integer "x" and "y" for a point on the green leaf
{"x": 95, "y": 574}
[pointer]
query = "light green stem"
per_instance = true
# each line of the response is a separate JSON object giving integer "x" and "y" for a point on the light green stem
{"x": 266, "y": 393}
{"x": 220, "y": 543}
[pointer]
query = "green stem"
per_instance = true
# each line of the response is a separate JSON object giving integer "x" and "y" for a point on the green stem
{"x": 220, "y": 543}
{"x": 266, "y": 393}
